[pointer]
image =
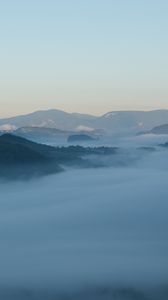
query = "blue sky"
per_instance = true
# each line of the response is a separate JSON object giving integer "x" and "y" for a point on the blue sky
{"x": 80, "y": 55}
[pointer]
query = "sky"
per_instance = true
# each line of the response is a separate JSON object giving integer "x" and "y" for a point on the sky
{"x": 87, "y": 56}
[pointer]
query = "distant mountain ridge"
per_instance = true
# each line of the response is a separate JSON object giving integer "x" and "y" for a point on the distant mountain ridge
{"x": 115, "y": 121}
{"x": 158, "y": 130}
{"x": 48, "y": 118}
{"x": 35, "y": 133}
{"x": 162, "y": 129}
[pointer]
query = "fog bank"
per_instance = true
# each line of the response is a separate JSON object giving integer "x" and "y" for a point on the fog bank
{"x": 82, "y": 232}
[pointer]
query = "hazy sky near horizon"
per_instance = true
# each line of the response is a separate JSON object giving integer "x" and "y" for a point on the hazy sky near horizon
{"x": 83, "y": 55}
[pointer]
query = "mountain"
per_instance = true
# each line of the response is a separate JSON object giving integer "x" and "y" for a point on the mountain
{"x": 113, "y": 122}
{"x": 158, "y": 130}
{"x": 39, "y": 134}
{"x": 163, "y": 129}
{"x": 52, "y": 135}
{"x": 131, "y": 121}
{"x": 50, "y": 118}
{"x": 15, "y": 150}
{"x": 20, "y": 158}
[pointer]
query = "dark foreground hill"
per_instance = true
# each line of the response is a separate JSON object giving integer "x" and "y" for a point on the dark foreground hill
{"x": 23, "y": 158}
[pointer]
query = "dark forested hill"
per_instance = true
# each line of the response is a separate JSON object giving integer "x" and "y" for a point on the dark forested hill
{"x": 21, "y": 157}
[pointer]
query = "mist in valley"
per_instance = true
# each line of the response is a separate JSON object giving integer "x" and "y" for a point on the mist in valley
{"x": 97, "y": 233}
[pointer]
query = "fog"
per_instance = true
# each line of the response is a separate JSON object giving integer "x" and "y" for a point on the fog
{"x": 87, "y": 234}
{"x": 121, "y": 140}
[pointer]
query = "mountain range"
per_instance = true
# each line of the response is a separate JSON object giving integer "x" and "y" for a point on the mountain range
{"x": 113, "y": 122}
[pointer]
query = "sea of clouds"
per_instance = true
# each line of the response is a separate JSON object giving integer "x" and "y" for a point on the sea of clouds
{"x": 87, "y": 234}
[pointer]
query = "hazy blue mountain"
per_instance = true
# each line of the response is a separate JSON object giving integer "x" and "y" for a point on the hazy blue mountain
{"x": 162, "y": 129}
{"x": 49, "y": 118}
{"x": 52, "y": 135}
{"x": 158, "y": 130}
{"x": 42, "y": 133}
{"x": 131, "y": 120}
{"x": 80, "y": 138}
{"x": 118, "y": 121}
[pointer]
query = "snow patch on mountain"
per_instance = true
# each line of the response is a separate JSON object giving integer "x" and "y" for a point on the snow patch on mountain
{"x": 7, "y": 127}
